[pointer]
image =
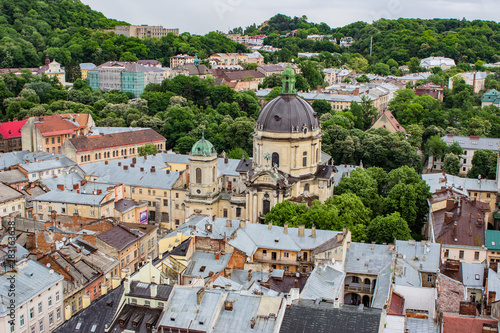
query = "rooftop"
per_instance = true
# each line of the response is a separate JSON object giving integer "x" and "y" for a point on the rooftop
{"x": 12, "y": 176}
{"x": 472, "y": 142}
{"x": 135, "y": 318}
{"x": 367, "y": 258}
{"x": 437, "y": 180}
{"x": 325, "y": 282}
{"x": 123, "y": 235}
{"x": 205, "y": 265}
{"x": 143, "y": 290}
{"x": 453, "y": 323}
{"x": 493, "y": 240}
{"x": 7, "y": 193}
{"x": 59, "y": 124}
{"x": 11, "y": 129}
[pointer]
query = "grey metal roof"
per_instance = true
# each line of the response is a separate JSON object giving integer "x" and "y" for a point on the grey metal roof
{"x": 141, "y": 289}
{"x": 72, "y": 197}
{"x": 87, "y": 66}
{"x": 202, "y": 263}
{"x": 16, "y": 157}
{"x": 183, "y": 312}
{"x": 246, "y": 307}
{"x": 31, "y": 278}
{"x": 67, "y": 180}
{"x": 12, "y": 176}
{"x": 435, "y": 182}
{"x": 343, "y": 170}
{"x": 241, "y": 277}
{"x": 227, "y": 169}
{"x": 472, "y": 275}
{"x": 325, "y": 282}
{"x": 382, "y": 287}
{"x": 219, "y": 227}
{"x": 418, "y": 325}
{"x": 468, "y": 142}
{"x": 423, "y": 256}
{"x": 360, "y": 258}
{"x": 7, "y": 193}
{"x": 42, "y": 165}
{"x": 113, "y": 130}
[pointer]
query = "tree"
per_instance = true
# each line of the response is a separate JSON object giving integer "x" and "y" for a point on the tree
{"x": 147, "y": 149}
{"x": 285, "y": 212}
{"x": 321, "y": 106}
{"x": 436, "y": 147}
{"x": 385, "y": 229}
{"x": 451, "y": 164}
{"x": 185, "y": 144}
{"x": 237, "y": 153}
{"x": 484, "y": 164}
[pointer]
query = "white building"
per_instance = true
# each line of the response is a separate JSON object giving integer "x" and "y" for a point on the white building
{"x": 443, "y": 63}
{"x": 36, "y": 293}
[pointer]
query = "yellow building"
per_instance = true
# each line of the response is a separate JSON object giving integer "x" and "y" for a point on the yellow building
{"x": 84, "y": 68}
{"x": 12, "y": 202}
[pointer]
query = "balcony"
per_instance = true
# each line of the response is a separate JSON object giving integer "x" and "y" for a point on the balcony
{"x": 357, "y": 289}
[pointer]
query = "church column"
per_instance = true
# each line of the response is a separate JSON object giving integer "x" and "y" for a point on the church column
{"x": 254, "y": 208}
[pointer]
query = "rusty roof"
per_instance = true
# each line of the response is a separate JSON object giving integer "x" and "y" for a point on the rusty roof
{"x": 58, "y": 124}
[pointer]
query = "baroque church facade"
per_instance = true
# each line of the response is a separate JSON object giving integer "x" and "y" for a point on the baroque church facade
{"x": 287, "y": 164}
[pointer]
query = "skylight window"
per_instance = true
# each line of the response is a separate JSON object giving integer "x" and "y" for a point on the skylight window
{"x": 477, "y": 276}
{"x": 93, "y": 328}
{"x": 78, "y": 325}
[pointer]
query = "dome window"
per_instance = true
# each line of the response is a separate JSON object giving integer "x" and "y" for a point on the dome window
{"x": 277, "y": 118}
{"x": 305, "y": 130}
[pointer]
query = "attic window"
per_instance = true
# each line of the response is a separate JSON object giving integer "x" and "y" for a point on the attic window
{"x": 201, "y": 322}
{"x": 476, "y": 276}
{"x": 277, "y": 118}
{"x": 172, "y": 319}
{"x": 93, "y": 328}
{"x": 202, "y": 268}
{"x": 78, "y": 326}
{"x": 276, "y": 240}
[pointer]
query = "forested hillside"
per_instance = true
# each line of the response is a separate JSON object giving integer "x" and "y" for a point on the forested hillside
{"x": 72, "y": 33}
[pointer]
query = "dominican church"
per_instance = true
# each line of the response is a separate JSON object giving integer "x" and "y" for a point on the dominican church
{"x": 287, "y": 164}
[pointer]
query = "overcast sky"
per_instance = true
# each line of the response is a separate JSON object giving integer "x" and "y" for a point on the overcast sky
{"x": 202, "y": 16}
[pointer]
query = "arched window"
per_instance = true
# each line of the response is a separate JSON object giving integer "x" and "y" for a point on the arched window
{"x": 198, "y": 176}
{"x": 304, "y": 159}
{"x": 306, "y": 188}
{"x": 275, "y": 159}
{"x": 317, "y": 156}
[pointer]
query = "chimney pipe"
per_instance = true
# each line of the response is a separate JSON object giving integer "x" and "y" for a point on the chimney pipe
{"x": 270, "y": 225}
{"x": 301, "y": 230}
{"x": 285, "y": 229}
{"x": 313, "y": 231}
{"x": 199, "y": 295}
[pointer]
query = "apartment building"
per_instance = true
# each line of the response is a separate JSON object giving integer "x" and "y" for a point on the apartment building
{"x": 48, "y": 133}
{"x": 12, "y": 201}
{"x": 145, "y": 31}
{"x": 10, "y": 136}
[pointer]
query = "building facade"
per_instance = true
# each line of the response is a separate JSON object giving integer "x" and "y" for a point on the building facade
{"x": 145, "y": 31}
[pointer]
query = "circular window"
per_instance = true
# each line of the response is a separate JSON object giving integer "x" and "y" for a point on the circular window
{"x": 198, "y": 191}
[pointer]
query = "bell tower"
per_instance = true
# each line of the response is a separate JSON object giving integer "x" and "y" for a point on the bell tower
{"x": 203, "y": 171}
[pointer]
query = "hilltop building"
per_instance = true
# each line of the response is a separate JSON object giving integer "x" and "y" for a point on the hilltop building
{"x": 144, "y": 31}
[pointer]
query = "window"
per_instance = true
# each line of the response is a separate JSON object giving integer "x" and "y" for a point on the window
{"x": 75, "y": 212}
{"x": 198, "y": 175}
{"x": 176, "y": 222}
{"x": 446, "y": 253}
{"x": 147, "y": 303}
{"x": 135, "y": 253}
{"x": 429, "y": 278}
{"x": 161, "y": 304}
{"x": 177, "y": 195}
{"x": 95, "y": 290}
{"x": 286, "y": 255}
{"x": 275, "y": 160}
{"x": 355, "y": 279}
{"x": 73, "y": 306}
{"x": 21, "y": 320}
{"x": 32, "y": 313}
{"x": 33, "y": 329}
{"x": 80, "y": 301}
{"x": 476, "y": 255}
{"x": 238, "y": 212}
{"x": 91, "y": 213}
{"x": 57, "y": 296}
{"x": 304, "y": 159}
{"x": 461, "y": 254}
{"x": 127, "y": 259}
{"x": 40, "y": 307}
{"x": 488, "y": 195}
{"x": 133, "y": 301}
{"x": 58, "y": 314}
{"x": 140, "y": 191}
{"x": 49, "y": 301}
{"x": 165, "y": 202}
{"x": 286, "y": 268}
{"x": 225, "y": 212}
{"x": 133, "y": 190}
{"x": 51, "y": 319}
{"x": 40, "y": 324}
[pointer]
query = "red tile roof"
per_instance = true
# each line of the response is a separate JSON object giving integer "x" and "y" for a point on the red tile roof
{"x": 86, "y": 143}
{"x": 453, "y": 323}
{"x": 12, "y": 129}
{"x": 58, "y": 124}
{"x": 394, "y": 122}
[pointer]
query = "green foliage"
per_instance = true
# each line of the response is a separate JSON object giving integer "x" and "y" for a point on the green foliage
{"x": 385, "y": 229}
{"x": 237, "y": 153}
{"x": 484, "y": 164}
{"x": 451, "y": 164}
{"x": 321, "y": 107}
{"x": 147, "y": 149}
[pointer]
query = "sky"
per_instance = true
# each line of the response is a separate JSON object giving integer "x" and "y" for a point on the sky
{"x": 203, "y": 16}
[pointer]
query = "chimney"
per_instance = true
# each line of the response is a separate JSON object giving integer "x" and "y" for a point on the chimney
{"x": 450, "y": 204}
{"x": 60, "y": 187}
{"x": 142, "y": 169}
{"x": 119, "y": 163}
{"x": 104, "y": 289}
{"x": 373, "y": 246}
{"x": 313, "y": 231}
{"x": 228, "y": 305}
{"x": 154, "y": 289}
{"x": 99, "y": 192}
{"x": 213, "y": 218}
{"x": 301, "y": 230}
{"x": 448, "y": 217}
{"x": 199, "y": 295}
{"x": 249, "y": 275}
{"x": 229, "y": 224}
{"x": 153, "y": 169}
{"x": 106, "y": 162}
{"x": 47, "y": 59}
{"x": 285, "y": 229}
{"x": 217, "y": 255}
{"x": 85, "y": 301}
{"x": 134, "y": 160}
{"x": 252, "y": 322}
{"x": 243, "y": 224}
{"x": 296, "y": 283}
{"x": 75, "y": 186}
{"x": 67, "y": 312}
{"x": 270, "y": 225}
{"x": 168, "y": 172}
{"x": 226, "y": 160}
{"x": 480, "y": 220}
{"x": 67, "y": 268}
{"x": 468, "y": 309}
{"x": 491, "y": 297}
{"x": 125, "y": 167}
{"x": 126, "y": 286}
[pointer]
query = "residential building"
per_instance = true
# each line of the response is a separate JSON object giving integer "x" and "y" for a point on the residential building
{"x": 192, "y": 69}
{"x": 493, "y": 245}
{"x": 241, "y": 80}
{"x": 434, "y": 90}
{"x": 491, "y": 97}
{"x": 238, "y": 58}
{"x": 389, "y": 122}
{"x": 14, "y": 178}
{"x": 131, "y": 211}
{"x": 326, "y": 282}
{"x": 48, "y": 133}
{"x": 302, "y": 315}
{"x": 56, "y": 165}
{"x": 145, "y": 31}
{"x": 85, "y": 67}
{"x": 150, "y": 63}
{"x": 85, "y": 199}
{"x": 87, "y": 273}
{"x": 269, "y": 70}
{"x": 53, "y": 69}
{"x": 417, "y": 264}
{"x": 37, "y": 298}
{"x": 452, "y": 323}
{"x": 346, "y": 41}
{"x": 125, "y": 76}
{"x": 106, "y": 147}
{"x": 441, "y": 62}
{"x": 12, "y": 201}
{"x": 474, "y": 79}
{"x": 180, "y": 60}
{"x": 130, "y": 244}
{"x": 10, "y": 136}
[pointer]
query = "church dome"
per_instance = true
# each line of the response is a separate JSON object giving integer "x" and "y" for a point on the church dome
{"x": 287, "y": 113}
{"x": 203, "y": 148}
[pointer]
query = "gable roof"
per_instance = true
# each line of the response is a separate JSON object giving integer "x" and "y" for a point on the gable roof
{"x": 86, "y": 143}
{"x": 392, "y": 120}
{"x": 58, "y": 124}
{"x": 11, "y": 129}
{"x": 123, "y": 235}
{"x": 7, "y": 193}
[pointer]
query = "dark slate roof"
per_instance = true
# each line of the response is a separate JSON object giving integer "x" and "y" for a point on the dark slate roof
{"x": 244, "y": 165}
{"x": 83, "y": 143}
{"x": 196, "y": 70}
{"x": 139, "y": 314}
{"x": 287, "y": 114}
{"x": 309, "y": 316}
{"x": 124, "y": 205}
{"x": 325, "y": 171}
{"x": 285, "y": 283}
{"x": 99, "y": 313}
{"x": 118, "y": 237}
{"x": 182, "y": 248}
{"x": 141, "y": 289}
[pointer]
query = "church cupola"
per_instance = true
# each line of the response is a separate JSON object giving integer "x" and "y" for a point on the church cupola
{"x": 288, "y": 82}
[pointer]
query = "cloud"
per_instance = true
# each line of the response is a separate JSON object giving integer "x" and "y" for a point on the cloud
{"x": 200, "y": 17}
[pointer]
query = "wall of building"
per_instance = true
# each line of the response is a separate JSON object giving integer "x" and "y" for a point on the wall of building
{"x": 469, "y": 253}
